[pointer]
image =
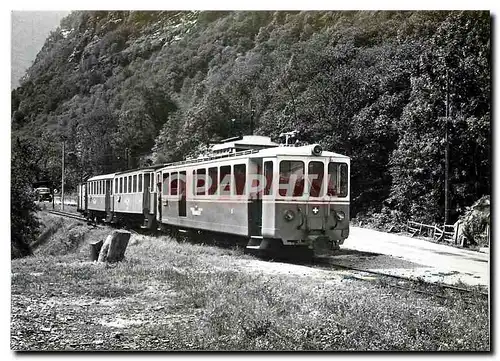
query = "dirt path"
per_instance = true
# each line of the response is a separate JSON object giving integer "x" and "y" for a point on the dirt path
{"x": 406, "y": 256}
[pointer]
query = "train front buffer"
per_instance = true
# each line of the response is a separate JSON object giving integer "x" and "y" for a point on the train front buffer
{"x": 319, "y": 226}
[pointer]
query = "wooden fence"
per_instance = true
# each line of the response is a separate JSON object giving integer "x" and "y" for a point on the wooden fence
{"x": 447, "y": 234}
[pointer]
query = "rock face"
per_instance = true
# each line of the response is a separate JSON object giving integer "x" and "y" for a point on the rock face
{"x": 113, "y": 249}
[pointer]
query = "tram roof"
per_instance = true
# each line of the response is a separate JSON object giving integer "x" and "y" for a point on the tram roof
{"x": 305, "y": 150}
{"x": 101, "y": 177}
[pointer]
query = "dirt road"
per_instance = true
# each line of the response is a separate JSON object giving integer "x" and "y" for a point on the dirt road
{"x": 406, "y": 256}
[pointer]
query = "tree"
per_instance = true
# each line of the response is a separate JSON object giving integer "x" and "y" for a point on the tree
{"x": 24, "y": 223}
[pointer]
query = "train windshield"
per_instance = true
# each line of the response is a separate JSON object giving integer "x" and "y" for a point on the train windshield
{"x": 337, "y": 179}
{"x": 316, "y": 173}
{"x": 291, "y": 178}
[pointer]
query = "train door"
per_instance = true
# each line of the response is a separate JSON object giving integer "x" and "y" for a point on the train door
{"x": 146, "y": 199}
{"x": 268, "y": 196}
{"x": 182, "y": 194}
{"x": 107, "y": 199}
{"x": 255, "y": 201}
{"x": 158, "y": 195}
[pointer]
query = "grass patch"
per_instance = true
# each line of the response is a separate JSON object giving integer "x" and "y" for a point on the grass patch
{"x": 171, "y": 296}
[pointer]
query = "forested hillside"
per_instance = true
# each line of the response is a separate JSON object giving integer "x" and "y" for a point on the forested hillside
{"x": 125, "y": 89}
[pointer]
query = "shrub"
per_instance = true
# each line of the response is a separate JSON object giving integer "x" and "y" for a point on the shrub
{"x": 24, "y": 224}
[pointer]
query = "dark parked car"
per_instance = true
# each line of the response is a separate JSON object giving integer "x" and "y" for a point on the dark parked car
{"x": 43, "y": 194}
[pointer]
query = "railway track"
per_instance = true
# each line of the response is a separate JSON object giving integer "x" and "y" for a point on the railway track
{"x": 407, "y": 283}
{"x": 417, "y": 285}
{"x": 68, "y": 214}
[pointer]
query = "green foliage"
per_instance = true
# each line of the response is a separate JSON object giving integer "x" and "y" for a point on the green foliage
{"x": 24, "y": 224}
{"x": 475, "y": 222}
{"x": 127, "y": 88}
{"x": 446, "y": 71}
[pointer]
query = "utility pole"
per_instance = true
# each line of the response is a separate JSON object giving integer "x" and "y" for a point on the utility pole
{"x": 251, "y": 121}
{"x": 446, "y": 158}
{"x": 62, "y": 177}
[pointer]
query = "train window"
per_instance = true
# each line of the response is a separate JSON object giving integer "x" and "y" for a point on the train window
{"x": 316, "y": 173}
{"x": 291, "y": 178}
{"x": 125, "y": 181}
{"x": 337, "y": 179}
{"x": 116, "y": 185}
{"x": 240, "y": 178}
{"x": 165, "y": 183}
{"x": 130, "y": 184}
{"x": 140, "y": 183}
{"x": 268, "y": 175}
{"x": 121, "y": 185}
{"x": 174, "y": 183}
{"x": 212, "y": 181}
{"x": 134, "y": 189}
{"x": 200, "y": 181}
{"x": 225, "y": 180}
{"x": 99, "y": 184}
{"x": 151, "y": 182}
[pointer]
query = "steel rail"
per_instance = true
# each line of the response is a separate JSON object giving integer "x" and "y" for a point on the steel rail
{"x": 322, "y": 260}
{"x": 68, "y": 214}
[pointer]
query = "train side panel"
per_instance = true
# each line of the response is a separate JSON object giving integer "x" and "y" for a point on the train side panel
{"x": 224, "y": 216}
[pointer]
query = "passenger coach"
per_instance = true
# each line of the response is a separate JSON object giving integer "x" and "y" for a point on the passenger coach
{"x": 274, "y": 195}
{"x": 134, "y": 200}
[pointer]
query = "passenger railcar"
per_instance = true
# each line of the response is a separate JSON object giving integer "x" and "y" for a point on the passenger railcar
{"x": 275, "y": 197}
{"x": 134, "y": 198}
{"x": 98, "y": 195}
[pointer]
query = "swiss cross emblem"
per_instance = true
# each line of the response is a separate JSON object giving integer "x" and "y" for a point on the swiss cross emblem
{"x": 315, "y": 210}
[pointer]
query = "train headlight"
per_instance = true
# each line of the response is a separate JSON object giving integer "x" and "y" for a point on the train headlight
{"x": 289, "y": 215}
{"x": 317, "y": 150}
{"x": 340, "y": 215}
